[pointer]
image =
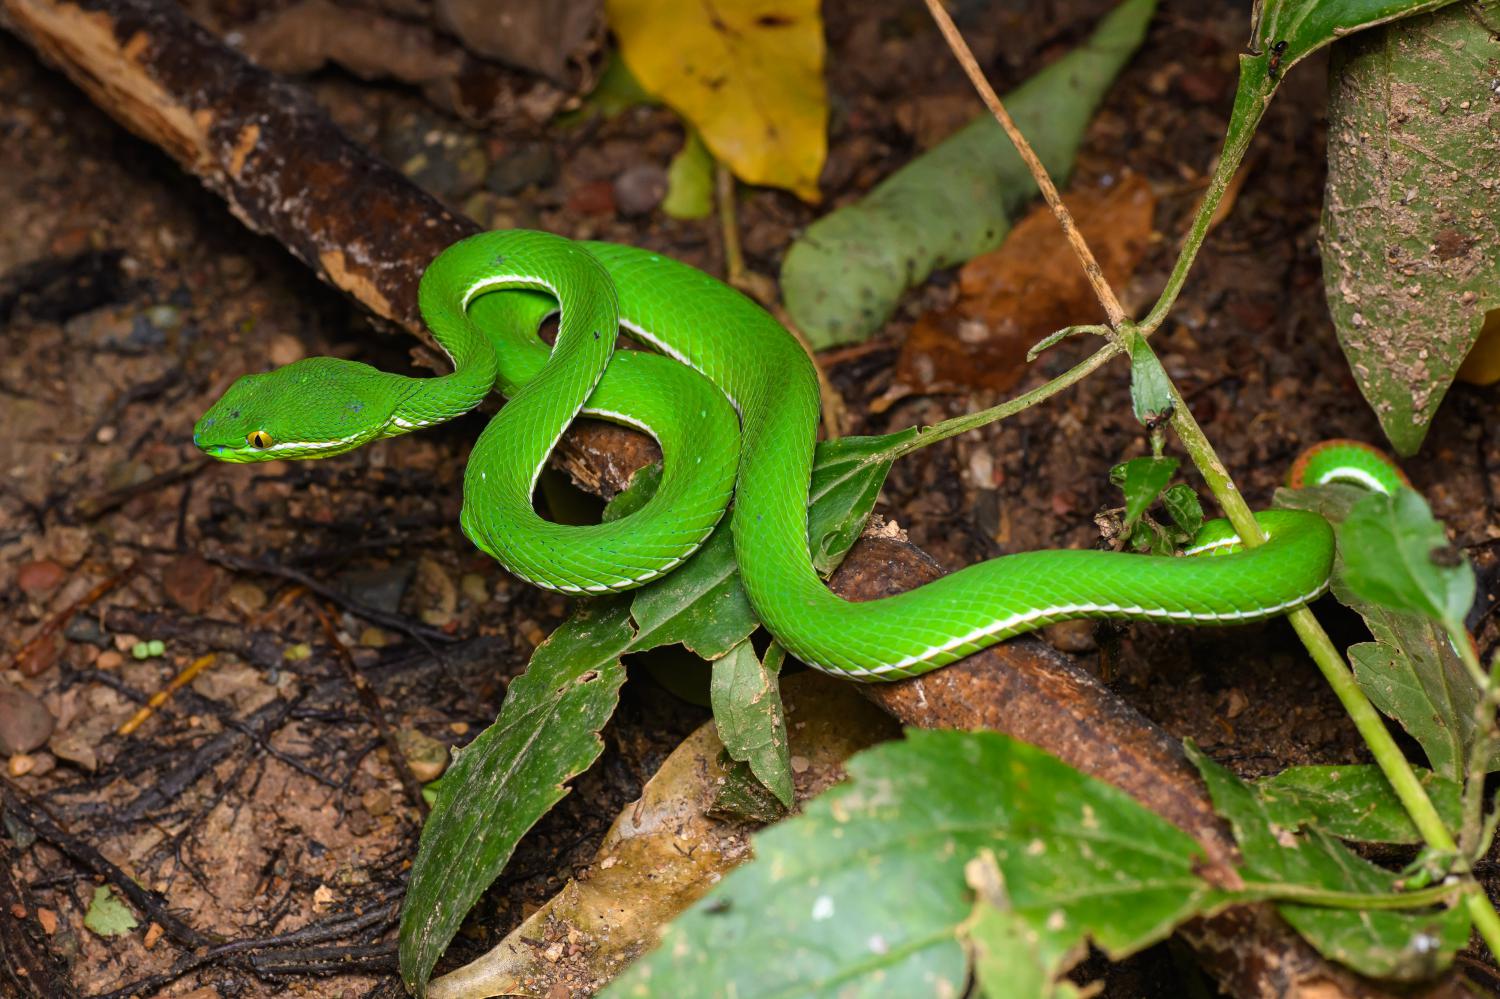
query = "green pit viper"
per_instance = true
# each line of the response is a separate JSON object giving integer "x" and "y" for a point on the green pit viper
{"x": 733, "y": 400}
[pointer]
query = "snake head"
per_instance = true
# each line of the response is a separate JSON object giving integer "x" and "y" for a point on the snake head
{"x": 312, "y": 408}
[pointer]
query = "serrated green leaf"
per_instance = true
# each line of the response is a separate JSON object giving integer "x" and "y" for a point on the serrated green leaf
{"x": 843, "y": 277}
{"x": 749, "y": 716}
{"x": 1397, "y": 555}
{"x": 1387, "y": 944}
{"x": 863, "y": 894}
{"x": 1183, "y": 506}
{"x": 1142, "y": 480}
{"x": 108, "y": 915}
{"x": 1411, "y": 254}
{"x": 508, "y": 777}
{"x": 1353, "y": 802}
{"x": 1150, "y": 391}
{"x": 1410, "y": 672}
{"x": 848, "y": 474}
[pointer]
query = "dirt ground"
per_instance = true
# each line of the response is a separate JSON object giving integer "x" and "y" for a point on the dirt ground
{"x": 259, "y": 799}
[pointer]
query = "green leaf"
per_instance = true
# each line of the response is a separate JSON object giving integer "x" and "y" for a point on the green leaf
{"x": 749, "y": 716}
{"x": 1301, "y": 27}
{"x": 1396, "y": 555}
{"x": 1353, "y": 802}
{"x": 1411, "y": 253}
{"x": 846, "y": 480}
{"x": 701, "y": 604}
{"x": 1142, "y": 480}
{"x": 690, "y": 181}
{"x": 743, "y": 798}
{"x": 1411, "y": 671}
{"x": 843, "y": 277}
{"x": 642, "y": 487}
{"x": 1150, "y": 391}
{"x": 108, "y": 916}
{"x": 1012, "y": 959}
{"x": 864, "y": 893}
{"x": 1390, "y": 944}
{"x": 1183, "y": 507}
{"x": 507, "y": 778}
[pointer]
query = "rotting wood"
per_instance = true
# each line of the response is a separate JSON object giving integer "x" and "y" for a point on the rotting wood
{"x": 287, "y": 172}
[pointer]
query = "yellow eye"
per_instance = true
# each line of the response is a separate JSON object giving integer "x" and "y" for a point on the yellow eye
{"x": 259, "y": 439}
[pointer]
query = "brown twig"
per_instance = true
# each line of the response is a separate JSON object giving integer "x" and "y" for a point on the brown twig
{"x": 1091, "y": 268}
{"x": 370, "y": 700}
{"x": 159, "y": 698}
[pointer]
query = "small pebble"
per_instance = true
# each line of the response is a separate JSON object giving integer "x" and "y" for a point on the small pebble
{"x": 109, "y": 659}
{"x": 25, "y": 722}
{"x": 473, "y": 588}
{"x": 427, "y": 757}
{"x": 372, "y": 638}
{"x": 376, "y": 801}
{"x": 800, "y": 764}
{"x": 247, "y": 598}
{"x": 1072, "y": 636}
{"x": 639, "y": 189}
{"x": 285, "y": 348}
{"x": 41, "y": 576}
{"x": 189, "y": 581}
{"x": 20, "y": 765}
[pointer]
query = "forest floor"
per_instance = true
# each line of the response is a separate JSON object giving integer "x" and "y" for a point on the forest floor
{"x": 258, "y": 799}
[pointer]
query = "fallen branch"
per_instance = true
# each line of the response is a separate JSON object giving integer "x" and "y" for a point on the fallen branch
{"x": 287, "y": 172}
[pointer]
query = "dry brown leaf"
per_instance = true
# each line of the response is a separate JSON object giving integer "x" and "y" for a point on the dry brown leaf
{"x": 1032, "y": 285}
{"x": 662, "y": 853}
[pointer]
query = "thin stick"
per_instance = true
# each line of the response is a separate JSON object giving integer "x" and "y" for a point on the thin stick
{"x": 160, "y": 697}
{"x": 1091, "y": 269}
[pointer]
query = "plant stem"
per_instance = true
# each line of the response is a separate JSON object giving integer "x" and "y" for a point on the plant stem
{"x": 972, "y": 421}
{"x": 1333, "y": 899}
{"x": 1471, "y": 829}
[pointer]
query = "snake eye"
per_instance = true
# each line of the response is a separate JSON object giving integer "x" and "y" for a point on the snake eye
{"x": 259, "y": 440}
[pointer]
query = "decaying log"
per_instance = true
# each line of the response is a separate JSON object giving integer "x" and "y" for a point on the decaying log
{"x": 286, "y": 171}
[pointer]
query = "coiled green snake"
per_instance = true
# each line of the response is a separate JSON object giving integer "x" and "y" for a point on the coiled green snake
{"x": 733, "y": 400}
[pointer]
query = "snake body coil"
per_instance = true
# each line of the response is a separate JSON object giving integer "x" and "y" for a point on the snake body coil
{"x": 734, "y": 403}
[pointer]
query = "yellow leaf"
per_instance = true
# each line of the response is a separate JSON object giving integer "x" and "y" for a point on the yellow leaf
{"x": 1482, "y": 366}
{"x": 748, "y": 75}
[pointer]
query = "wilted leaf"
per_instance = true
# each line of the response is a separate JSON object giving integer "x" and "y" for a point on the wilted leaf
{"x": 864, "y": 893}
{"x": 1029, "y": 287}
{"x": 642, "y": 875}
{"x": 747, "y": 75}
{"x": 1411, "y": 253}
{"x": 108, "y": 916}
{"x": 1353, "y": 802}
{"x": 1388, "y": 944}
{"x": 843, "y": 277}
{"x": 508, "y": 777}
{"x": 747, "y": 710}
